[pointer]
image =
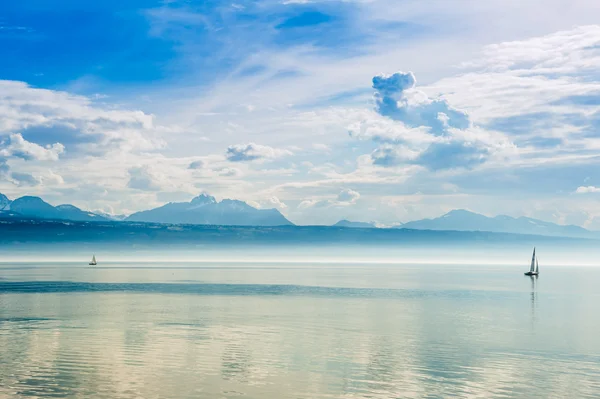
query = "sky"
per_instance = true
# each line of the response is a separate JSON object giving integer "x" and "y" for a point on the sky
{"x": 368, "y": 110}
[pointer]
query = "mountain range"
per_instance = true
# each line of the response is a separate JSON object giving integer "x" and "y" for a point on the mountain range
{"x": 203, "y": 209}
{"x": 35, "y": 207}
{"x": 462, "y": 220}
{"x": 23, "y": 234}
{"x": 206, "y": 210}
{"x": 357, "y": 225}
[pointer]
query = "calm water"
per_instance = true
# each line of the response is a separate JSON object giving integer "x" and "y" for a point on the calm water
{"x": 298, "y": 331}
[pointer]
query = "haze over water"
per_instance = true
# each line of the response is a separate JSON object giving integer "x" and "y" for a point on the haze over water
{"x": 297, "y": 330}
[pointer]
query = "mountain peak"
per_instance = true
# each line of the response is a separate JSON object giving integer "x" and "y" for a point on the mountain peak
{"x": 4, "y": 201}
{"x": 30, "y": 200}
{"x": 203, "y": 199}
{"x": 463, "y": 220}
{"x": 348, "y": 223}
{"x": 461, "y": 212}
{"x": 204, "y": 209}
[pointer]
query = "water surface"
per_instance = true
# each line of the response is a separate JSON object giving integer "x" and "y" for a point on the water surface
{"x": 186, "y": 330}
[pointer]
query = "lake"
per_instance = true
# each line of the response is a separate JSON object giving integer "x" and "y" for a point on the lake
{"x": 297, "y": 330}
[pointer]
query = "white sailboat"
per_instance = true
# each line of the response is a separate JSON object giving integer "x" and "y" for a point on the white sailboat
{"x": 93, "y": 262}
{"x": 534, "y": 270}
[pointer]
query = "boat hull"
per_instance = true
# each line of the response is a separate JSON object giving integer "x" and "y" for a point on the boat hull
{"x": 531, "y": 273}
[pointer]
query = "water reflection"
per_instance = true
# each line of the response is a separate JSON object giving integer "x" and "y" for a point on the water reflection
{"x": 533, "y": 297}
{"x": 468, "y": 338}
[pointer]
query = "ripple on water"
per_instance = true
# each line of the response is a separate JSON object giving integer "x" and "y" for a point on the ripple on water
{"x": 197, "y": 340}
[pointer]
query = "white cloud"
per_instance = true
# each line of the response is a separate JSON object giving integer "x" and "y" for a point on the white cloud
{"x": 423, "y": 131}
{"x": 587, "y": 189}
{"x": 229, "y": 172}
{"x": 253, "y": 152}
{"x": 18, "y": 147}
{"x": 89, "y": 125}
{"x": 348, "y": 195}
{"x": 409, "y": 151}
{"x": 321, "y": 147}
{"x": 276, "y": 203}
{"x": 142, "y": 178}
{"x": 51, "y": 178}
{"x": 396, "y": 98}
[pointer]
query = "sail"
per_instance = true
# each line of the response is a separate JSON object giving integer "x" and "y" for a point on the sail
{"x": 532, "y": 261}
{"x": 537, "y": 266}
{"x": 94, "y": 259}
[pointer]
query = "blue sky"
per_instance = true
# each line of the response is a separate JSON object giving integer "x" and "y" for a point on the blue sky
{"x": 370, "y": 110}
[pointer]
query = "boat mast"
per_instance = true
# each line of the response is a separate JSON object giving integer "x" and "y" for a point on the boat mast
{"x": 532, "y": 261}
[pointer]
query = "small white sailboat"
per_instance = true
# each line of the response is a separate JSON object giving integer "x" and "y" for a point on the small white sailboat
{"x": 534, "y": 270}
{"x": 93, "y": 262}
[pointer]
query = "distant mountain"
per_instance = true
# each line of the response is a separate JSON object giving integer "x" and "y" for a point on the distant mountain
{"x": 37, "y": 208}
{"x": 462, "y": 220}
{"x": 71, "y": 212}
{"x": 205, "y": 209}
{"x": 4, "y": 202}
{"x": 360, "y": 225}
{"x": 154, "y": 236}
{"x": 34, "y": 207}
{"x": 110, "y": 216}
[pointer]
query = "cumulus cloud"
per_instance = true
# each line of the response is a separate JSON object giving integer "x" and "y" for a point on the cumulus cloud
{"x": 387, "y": 131}
{"x": 559, "y": 53}
{"x": 423, "y": 131}
{"x": 540, "y": 91}
{"x": 396, "y": 98}
{"x": 81, "y": 122}
{"x": 51, "y": 178}
{"x": 253, "y": 152}
{"x": 587, "y": 189}
{"x": 348, "y": 195}
{"x": 17, "y": 146}
{"x": 45, "y": 177}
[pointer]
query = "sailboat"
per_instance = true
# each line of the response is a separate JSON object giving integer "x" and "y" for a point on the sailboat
{"x": 534, "y": 270}
{"x": 93, "y": 262}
